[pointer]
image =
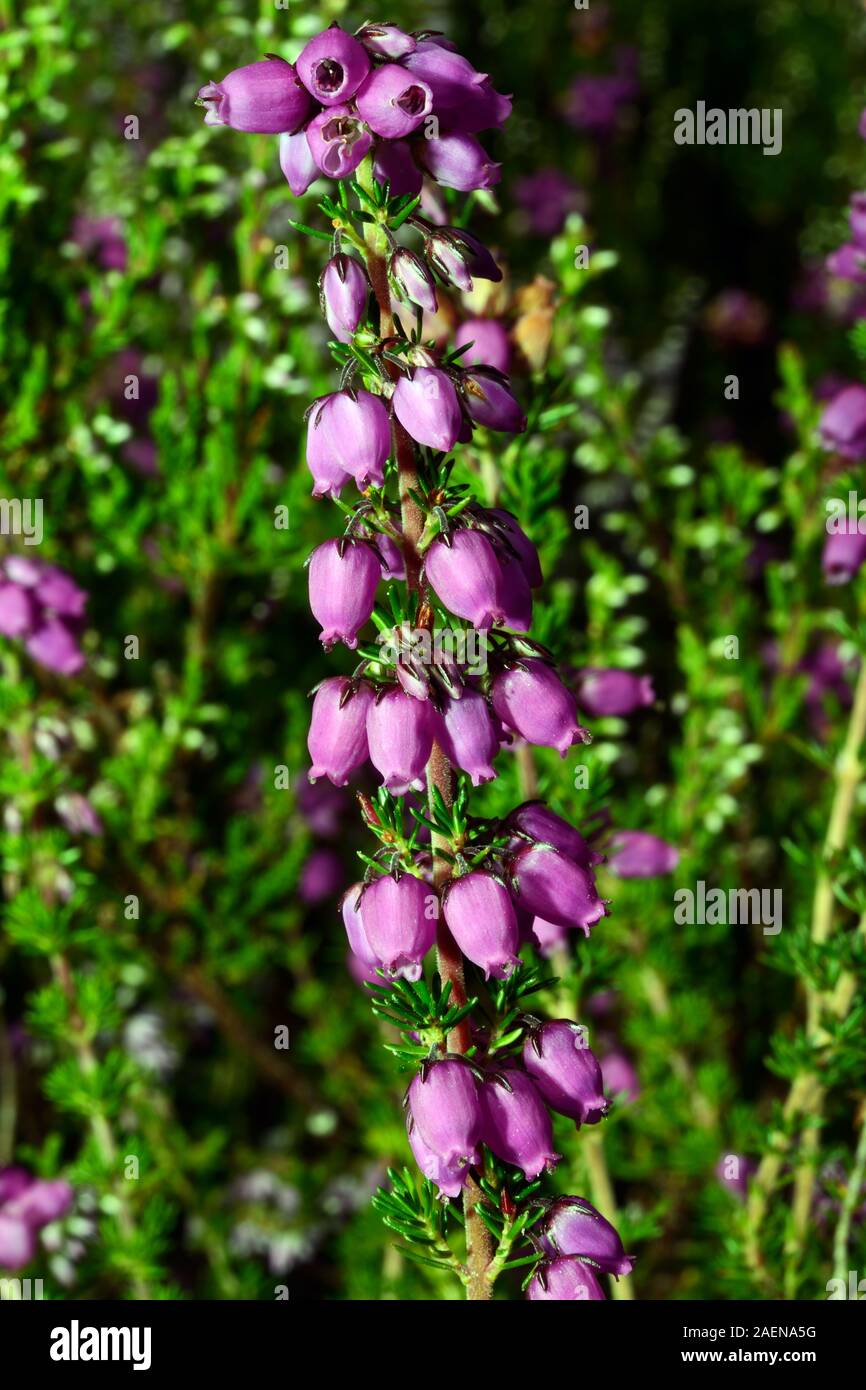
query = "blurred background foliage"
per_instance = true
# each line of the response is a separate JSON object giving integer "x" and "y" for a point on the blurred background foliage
{"x": 146, "y": 969}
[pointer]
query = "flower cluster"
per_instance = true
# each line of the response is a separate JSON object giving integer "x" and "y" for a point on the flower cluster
{"x": 410, "y": 101}
{"x": 42, "y": 604}
{"x": 448, "y": 584}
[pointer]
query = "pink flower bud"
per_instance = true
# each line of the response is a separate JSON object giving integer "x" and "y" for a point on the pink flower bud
{"x": 393, "y": 102}
{"x": 338, "y": 141}
{"x": 611, "y": 692}
{"x": 572, "y": 1226}
{"x": 297, "y": 163}
{"x": 459, "y": 161}
{"x": 427, "y": 407}
{"x": 347, "y": 438}
{"x": 469, "y": 737}
{"x": 550, "y": 885}
{"x": 564, "y": 1280}
{"x": 332, "y": 66}
{"x": 636, "y": 854}
{"x": 536, "y": 820}
{"x": 344, "y": 289}
{"x": 491, "y": 346}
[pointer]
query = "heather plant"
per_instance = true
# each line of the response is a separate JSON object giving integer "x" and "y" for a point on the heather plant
{"x": 524, "y": 389}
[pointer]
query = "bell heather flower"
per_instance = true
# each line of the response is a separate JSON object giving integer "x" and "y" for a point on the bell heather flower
{"x": 467, "y": 577}
{"x": 347, "y": 438}
{"x": 399, "y": 921}
{"x": 78, "y": 815}
{"x": 515, "y": 1124}
{"x": 463, "y": 99}
{"x": 480, "y": 917}
{"x": 26, "y": 1205}
{"x": 558, "y": 1058}
{"x": 459, "y": 161}
{"x": 636, "y": 854}
{"x": 344, "y": 289}
{"x": 18, "y": 612}
{"x": 564, "y": 1280}
{"x": 427, "y": 407}
{"x": 843, "y": 554}
{"x": 393, "y": 102}
{"x": 548, "y": 937}
{"x": 358, "y": 943}
{"x": 393, "y": 163}
{"x": 572, "y": 1226}
{"x": 343, "y": 577}
{"x": 450, "y": 1178}
{"x": 444, "y": 1107}
{"x": 297, "y": 162}
{"x": 338, "y": 141}
{"x": 620, "y": 1077}
{"x": 44, "y": 605}
{"x": 550, "y": 885}
{"x": 264, "y": 98}
{"x": 412, "y": 279}
{"x": 843, "y": 424}
{"x": 520, "y": 543}
{"x": 611, "y": 692}
{"x": 338, "y": 729}
{"x": 490, "y": 402}
{"x": 536, "y": 820}
{"x": 468, "y": 735}
{"x": 490, "y": 345}
{"x": 55, "y": 647}
{"x": 531, "y": 700}
{"x": 400, "y": 733}
{"x": 515, "y": 595}
{"x": 332, "y": 66}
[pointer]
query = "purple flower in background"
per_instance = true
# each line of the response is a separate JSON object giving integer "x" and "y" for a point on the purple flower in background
{"x": 26, "y": 1205}
{"x": 344, "y": 289}
{"x": 565, "y": 1070}
{"x": 843, "y": 554}
{"x": 412, "y": 280}
{"x": 550, "y": 885}
{"x": 102, "y": 239}
{"x": 400, "y": 733}
{"x": 531, "y": 700}
{"x": 490, "y": 344}
{"x": 843, "y": 423}
{"x": 393, "y": 102}
{"x": 321, "y": 877}
{"x": 547, "y": 197}
{"x": 564, "y": 1280}
{"x": 469, "y": 736}
{"x": 611, "y": 692}
{"x": 332, "y": 66}
{"x": 264, "y": 98}
{"x": 848, "y": 262}
{"x": 734, "y": 1172}
{"x": 427, "y": 407}
{"x": 857, "y": 218}
{"x": 636, "y": 854}
{"x": 343, "y": 577}
{"x": 77, "y": 814}
{"x": 444, "y": 1107}
{"x": 481, "y": 918}
{"x": 297, "y": 162}
{"x": 338, "y": 141}
{"x": 620, "y": 1077}
{"x": 595, "y": 101}
{"x": 572, "y": 1226}
{"x": 44, "y": 605}
{"x": 338, "y": 729}
{"x": 735, "y": 316}
{"x": 322, "y": 805}
{"x": 515, "y": 1123}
